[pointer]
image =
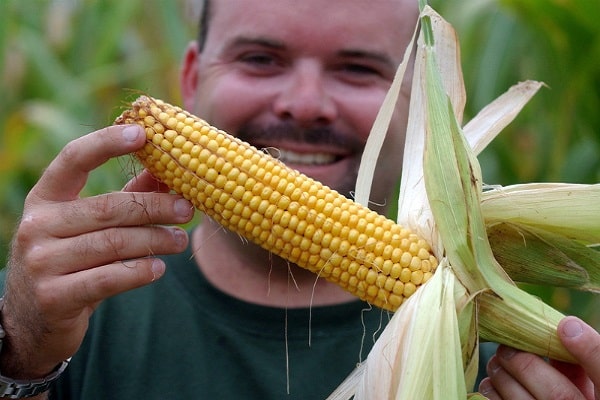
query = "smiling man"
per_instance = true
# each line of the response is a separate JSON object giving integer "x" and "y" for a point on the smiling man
{"x": 303, "y": 79}
{"x": 308, "y": 90}
{"x": 214, "y": 316}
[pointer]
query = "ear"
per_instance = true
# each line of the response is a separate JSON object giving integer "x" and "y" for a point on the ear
{"x": 188, "y": 79}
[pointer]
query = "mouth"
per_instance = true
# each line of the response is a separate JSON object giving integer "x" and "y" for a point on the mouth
{"x": 291, "y": 157}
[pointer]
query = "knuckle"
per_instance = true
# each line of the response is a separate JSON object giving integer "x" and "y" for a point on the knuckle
{"x": 102, "y": 208}
{"x": 128, "y": 275}
{"x": 561, "y": 392}
{"x": 104, "y": 245}
{"x": 116, "y": 208}
{"x": 143, "y": 270}
{"x": 46, "y": 297}
{"x": 141, "y": 206}
{"x": 103, "y": 283}
{"x": 35, "y": 258}
{"x": 28, "y": 228}
{"x": 116, "y": 241}
{"x": 69, "y": 154}
{"x": 524, "y": 362}
{"x": 594, "y": 350}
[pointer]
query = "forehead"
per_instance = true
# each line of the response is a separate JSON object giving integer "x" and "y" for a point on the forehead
{"x": 384, "y": 25}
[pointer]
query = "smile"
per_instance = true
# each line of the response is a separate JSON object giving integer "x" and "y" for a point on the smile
{"x": 292, "y": 157}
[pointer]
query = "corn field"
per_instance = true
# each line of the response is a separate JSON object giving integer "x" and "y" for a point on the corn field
{"x": 68, "y": 66}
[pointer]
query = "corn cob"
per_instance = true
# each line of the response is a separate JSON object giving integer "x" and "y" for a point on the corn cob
{"x": 280, "y": 209}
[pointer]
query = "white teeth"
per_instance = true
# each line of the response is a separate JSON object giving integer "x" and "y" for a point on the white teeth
{"x": 292, "y": 157}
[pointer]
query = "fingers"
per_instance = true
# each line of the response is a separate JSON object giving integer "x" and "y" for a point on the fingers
{"x": 145, "y": 182}
{"x": 87, "y": 288}
{"x": 118, "y": 209}
{"x": 519, "y": 375}
{"x": 500, "y": 383}
{"x": 486, "y": 388}
{"x": 583, "y": 342}
{"x": 67, "y": 174}
{"x": 70, "y": 253}
{"x": 64, "y": 256}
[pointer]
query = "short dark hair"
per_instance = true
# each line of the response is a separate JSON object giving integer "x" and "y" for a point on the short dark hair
{"x": 203, "y": 24}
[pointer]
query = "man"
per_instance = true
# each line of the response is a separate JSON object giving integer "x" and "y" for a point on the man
{"x": 227, "y": 319}
{"x": 224, "y": 319}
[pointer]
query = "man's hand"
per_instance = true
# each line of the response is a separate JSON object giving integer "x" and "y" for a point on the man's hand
{"x": 70, "y": 253}
{"x": 518, "y": 375}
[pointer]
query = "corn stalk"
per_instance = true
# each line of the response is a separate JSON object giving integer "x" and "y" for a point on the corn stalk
{"x": 429, "y": 349}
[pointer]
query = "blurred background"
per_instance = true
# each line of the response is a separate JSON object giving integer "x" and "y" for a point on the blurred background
{"x": 67, "y": 67}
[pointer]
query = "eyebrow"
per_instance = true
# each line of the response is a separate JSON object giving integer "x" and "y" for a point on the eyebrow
{"x": 256, "y": 41}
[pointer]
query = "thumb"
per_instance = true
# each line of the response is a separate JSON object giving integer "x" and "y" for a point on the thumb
{"x": 583, "y": 342}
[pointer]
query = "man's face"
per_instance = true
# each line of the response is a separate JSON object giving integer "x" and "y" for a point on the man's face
{"x": 305, "y": 79}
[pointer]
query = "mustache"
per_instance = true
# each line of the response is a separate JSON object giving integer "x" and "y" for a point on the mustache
{"x": 290, "y": 131}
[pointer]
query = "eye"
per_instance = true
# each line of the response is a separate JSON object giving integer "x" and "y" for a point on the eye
{"x": 260, "y": 63}
{"x": 360, "y": 69}
{"x": 359, "y": 73}
{"x": 258, "y": 59}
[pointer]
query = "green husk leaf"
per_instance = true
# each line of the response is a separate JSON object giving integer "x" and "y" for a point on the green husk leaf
{"x": 520, "y": 320}
{"x": 507, "y": 314}
{"x": 534, "y": 255}
{"x": 469, "y": 338}
{"x": 452, "y": 177}
{"x": 567, "y": 209}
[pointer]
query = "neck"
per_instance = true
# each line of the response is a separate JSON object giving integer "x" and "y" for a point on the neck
{"x": 250, "y": 273}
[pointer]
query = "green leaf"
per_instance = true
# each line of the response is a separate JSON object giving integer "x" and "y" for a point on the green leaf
{"x": 538, "y": 256}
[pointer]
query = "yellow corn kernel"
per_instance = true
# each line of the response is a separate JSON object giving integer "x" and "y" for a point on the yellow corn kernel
{"x": 280, "y": 209}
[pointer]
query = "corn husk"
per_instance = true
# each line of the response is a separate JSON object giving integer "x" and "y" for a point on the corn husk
{"x": 417, "y": 348}
{"x": 484, "y": 236}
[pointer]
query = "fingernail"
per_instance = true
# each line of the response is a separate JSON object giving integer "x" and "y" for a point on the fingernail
{"x": 158, "y": 269}
{"x": 493, "y": 365}
{"x": 131, "y": 133}
{"x": 507, "y": 353}
{"x": 182, "y": 207}
{"x": 180, "y": 237}
{"x": 485, "y": 387}
{"x": 572, "y": 328}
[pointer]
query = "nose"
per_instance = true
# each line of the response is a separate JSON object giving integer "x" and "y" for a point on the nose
{"x": 305, "y": 97}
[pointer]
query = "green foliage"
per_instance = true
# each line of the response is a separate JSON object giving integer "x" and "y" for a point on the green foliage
{"x": 66, "y": 67}
{"x": 557, "y": 136}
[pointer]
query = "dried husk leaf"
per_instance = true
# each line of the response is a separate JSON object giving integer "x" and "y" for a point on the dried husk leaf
{"x": 496, "y": 116}
{"x": 379, "y": 130}
{"x": 448, "y": 376}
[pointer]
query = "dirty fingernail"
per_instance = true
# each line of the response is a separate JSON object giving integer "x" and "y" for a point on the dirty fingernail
{"x": 180, "y": 237}
{"x": 183, "y": 207}
{"x": 508, "y": 353}
{"x": 131, "y": 133}
{"x": 158, "y": 269}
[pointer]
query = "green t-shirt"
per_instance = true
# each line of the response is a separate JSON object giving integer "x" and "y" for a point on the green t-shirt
{"x": 181, "y": 338}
